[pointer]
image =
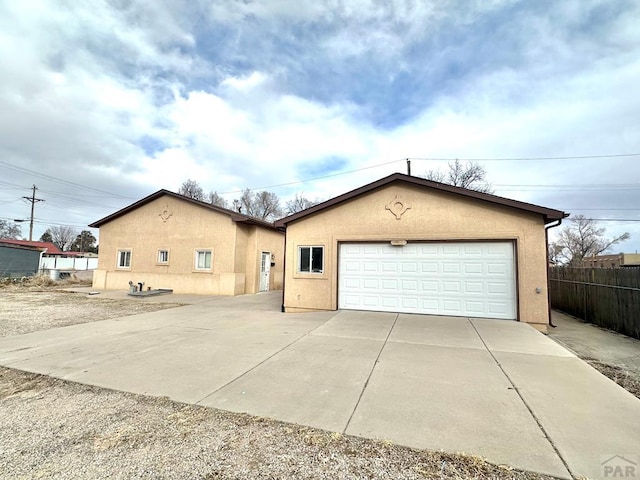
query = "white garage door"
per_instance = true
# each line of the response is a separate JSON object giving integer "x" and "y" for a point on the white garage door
{"x": 459, "y": 279}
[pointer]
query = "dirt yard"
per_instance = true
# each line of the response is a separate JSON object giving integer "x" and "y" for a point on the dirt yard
{"x": 26, "y": 310}
{"x": 62, "y": 430}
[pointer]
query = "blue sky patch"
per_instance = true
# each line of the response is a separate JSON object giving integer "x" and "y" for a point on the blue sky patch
{"x": 326, "y": 166}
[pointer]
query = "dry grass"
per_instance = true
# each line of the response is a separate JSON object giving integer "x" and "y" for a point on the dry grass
{"x": 41, "y": 282}
{"x": 87, "y": 432}
{"x": 628, "y": 380}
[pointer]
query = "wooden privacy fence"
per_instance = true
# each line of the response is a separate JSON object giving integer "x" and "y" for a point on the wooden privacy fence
{"x": 608, "y": 297}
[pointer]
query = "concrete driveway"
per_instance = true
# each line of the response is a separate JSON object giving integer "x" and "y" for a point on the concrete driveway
{"x": 494, "y": 388}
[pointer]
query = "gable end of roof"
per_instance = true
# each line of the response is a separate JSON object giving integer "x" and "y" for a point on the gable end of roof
{"x": 235, "y": 216}
{"x": 549, "y": 214}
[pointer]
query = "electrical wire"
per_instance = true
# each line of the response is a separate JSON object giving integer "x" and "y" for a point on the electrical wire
{"x": 520, "y": 187}
{"x": 56, "y": 179}
{"x": 599, "y": 187}
{"x": 624, "y": 220}
{"x": 315, "y": 178}
{"x": 524, "y": 159}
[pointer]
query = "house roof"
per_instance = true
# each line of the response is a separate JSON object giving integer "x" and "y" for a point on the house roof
{"x": 235, "y": 216}
{"x": 549, "y": 215}
{"x": 48, "y": 247}
{"x": 69, "y": 253}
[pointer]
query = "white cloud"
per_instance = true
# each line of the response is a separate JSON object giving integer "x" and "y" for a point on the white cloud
{"x": 128, "y": 98}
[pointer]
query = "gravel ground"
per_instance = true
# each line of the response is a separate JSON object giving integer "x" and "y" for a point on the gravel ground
{"x": 28, "y": 310}
{"x": 55, "y": 429}
{"x": 61, "y": 430}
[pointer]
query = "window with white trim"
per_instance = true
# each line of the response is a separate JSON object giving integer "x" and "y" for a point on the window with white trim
{"x": 124, "y": 258}
{"x": 203, "y": 259}
{"x": 163, "y": 256}
{"x": 311, "y": 259}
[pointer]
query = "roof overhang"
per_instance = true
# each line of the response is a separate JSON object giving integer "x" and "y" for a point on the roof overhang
{"x": 235, "y": 216}
{"x": 548, "y": 214}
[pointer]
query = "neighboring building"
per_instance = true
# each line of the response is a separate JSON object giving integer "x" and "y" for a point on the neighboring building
{"x": 167, "y": 240}
{"x": 69, "y": 262}
{"x": 617, "y": 260}
{"x": 18, "y": 260}
{"x": 70, "y": 254}
{"x": 47, "y": 248}
{"x": 405, "y": 244}
{"x": 55, "y": 259}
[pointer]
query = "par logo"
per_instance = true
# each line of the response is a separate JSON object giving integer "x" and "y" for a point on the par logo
{"x": 620, "y": 466}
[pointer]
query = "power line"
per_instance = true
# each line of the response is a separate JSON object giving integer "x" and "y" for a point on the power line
{"x": 81, "y": 201}
{"x": 56, "y": 179}
{"x": 21, "y": 187}
{"x": 614, "y": 219}
{"x": 504, "y": 159}
{"x": 316, "y": 178}
{"x": 574, "y": 186}
{"x": 85, "y": 196}
{"x": 40, "y": 221}
{"x": 524, "y": 159}
{"x": 46, "y": 222}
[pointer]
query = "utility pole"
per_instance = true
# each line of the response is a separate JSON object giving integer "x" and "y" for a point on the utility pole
{"x": 33, "y": 201}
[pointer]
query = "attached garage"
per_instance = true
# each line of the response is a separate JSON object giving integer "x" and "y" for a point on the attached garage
{"x": 471, "y": 279}
{"x": 409, "y": 245}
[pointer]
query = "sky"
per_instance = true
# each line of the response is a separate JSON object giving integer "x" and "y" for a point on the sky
{"x": 105, "y": 102}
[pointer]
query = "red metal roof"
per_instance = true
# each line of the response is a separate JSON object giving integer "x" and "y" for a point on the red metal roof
{"x": 48, "y": 247}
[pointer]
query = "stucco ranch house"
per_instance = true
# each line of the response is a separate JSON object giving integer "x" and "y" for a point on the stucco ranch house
{"x": 400, "y": 244}
{"x": 405, "y": 244}
{"x": 170, "y": 241}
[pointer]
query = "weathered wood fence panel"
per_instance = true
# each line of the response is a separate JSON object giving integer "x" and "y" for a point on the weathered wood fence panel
{"x": 608, "y": 297}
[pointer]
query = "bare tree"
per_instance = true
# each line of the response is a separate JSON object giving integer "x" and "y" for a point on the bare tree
{"x": 470, "y": 175}
{"x": 62, "y": 236}
{"x": 263, "y": 205}
{"x": 580, "y": 239}
{"x": 10, "y": 230}
{"x": 555, "y": 252}
{"x": 192, "y": 189}
{"x": 215, "y": 199}
{"x": 298, "y": 203}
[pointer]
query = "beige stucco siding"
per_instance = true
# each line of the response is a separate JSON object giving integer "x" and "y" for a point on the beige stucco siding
{"x": 431, "y": 216}
{"x": 181, "y": 228}
{"x": 272, "y": 242}
{"x": 258, "y": 240}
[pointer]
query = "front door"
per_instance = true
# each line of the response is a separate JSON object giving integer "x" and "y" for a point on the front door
{"x": 265, "y": 268}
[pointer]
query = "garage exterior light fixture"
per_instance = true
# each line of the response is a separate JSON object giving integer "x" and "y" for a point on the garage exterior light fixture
{"x": 398, "y": 243}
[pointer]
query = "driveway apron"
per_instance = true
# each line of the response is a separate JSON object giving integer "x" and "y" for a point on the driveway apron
{"x": 494, "y": 388}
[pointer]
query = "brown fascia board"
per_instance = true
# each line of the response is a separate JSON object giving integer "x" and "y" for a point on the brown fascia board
{"x": 235, "y": 216}
{"x": 549, "y": 214}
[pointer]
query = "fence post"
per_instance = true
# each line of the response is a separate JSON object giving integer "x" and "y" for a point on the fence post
{"x": 584, "y": 295}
